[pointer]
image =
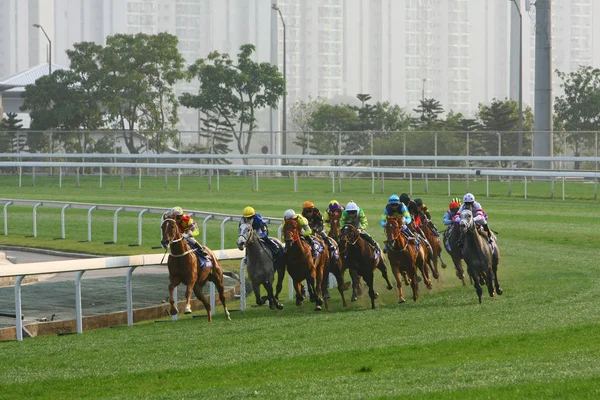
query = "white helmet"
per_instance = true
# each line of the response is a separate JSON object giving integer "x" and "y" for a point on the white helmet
{"x": 352, "y": 206}
{"x": 289, "y": 214}
{"x": 468, "y": 198}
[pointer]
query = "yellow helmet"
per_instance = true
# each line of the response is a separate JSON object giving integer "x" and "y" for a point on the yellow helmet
{"x": 248, "y": 212}
{"x": 308, "y": 204}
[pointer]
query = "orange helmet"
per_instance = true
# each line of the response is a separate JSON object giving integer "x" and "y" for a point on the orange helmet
{"x": 453, "y": 204}
{"x": 308, "y": 204}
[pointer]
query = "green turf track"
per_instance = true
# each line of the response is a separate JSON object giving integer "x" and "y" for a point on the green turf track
{"x": 539, "y": 340}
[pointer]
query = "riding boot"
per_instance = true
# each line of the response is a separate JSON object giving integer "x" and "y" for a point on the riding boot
{"x": 489, "y": 232}
{"x": 313, "y": 246}
{"x": 371, "y": 241}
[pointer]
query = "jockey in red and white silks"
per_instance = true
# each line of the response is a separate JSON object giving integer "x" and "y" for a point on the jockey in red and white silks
{"x": 479, "y": 216}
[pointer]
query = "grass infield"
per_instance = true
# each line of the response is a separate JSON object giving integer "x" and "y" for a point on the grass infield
{"x": 538, "y": 340}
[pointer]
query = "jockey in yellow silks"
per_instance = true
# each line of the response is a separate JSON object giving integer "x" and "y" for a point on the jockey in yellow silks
{"x": 187, "y": 226}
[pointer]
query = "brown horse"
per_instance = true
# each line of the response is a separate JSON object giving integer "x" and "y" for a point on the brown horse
{"x": 301, "y": 265}
{"x": 359, "y": 258}
{"x": 452, "y": 235}
{"x": 482, "y": 259}
{"x": 436, "y": 248}
{"x": 405, "y": 259}
{"x": 334, "y": 222}
{"x": 184, "y": 268}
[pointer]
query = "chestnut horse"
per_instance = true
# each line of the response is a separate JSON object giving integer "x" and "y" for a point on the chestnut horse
{"x": 481, "y": 258}
{"x": 436, "y": 248}
{"x": 405, "y": 259}
{"x": 334, "y": 223}
{"x": 359, "y": 258}
{"x": 184, "y": 268}
{"x": 301, "y": 265}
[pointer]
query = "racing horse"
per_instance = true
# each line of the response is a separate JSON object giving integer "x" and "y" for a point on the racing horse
{"x": 260, "y": 263}
{"x": 482, "y": 258}
{"x": 359, "y": 258}
{"x": 436, "y": 247}
{"x": 301, "y": 265}
{"x": 184, "y": 268}
{"x": 406, "y": 259}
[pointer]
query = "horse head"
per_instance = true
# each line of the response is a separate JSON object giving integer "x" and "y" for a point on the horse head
{"x": 170, "y": 232}
{"x": 466, "y": 221}
{"x": 246, "y": 235}
{"x": 349, "y": 235}
{"x": 290, "y": 232}
{"x": 334, "y": 222}
{"x": 392, "y": 229}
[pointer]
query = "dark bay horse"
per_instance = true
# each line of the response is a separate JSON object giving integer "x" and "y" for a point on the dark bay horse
{"x": 482, "y": 261}
{"x": 301, "y": 265}
{"x": 260, "y": 264}
{"x": 405, "y": 259}
{"x": 359, "y": 258}
{"x": 184, "y": 268}
{"x": 436, "y": 247}
{"x": 452, "y": 235}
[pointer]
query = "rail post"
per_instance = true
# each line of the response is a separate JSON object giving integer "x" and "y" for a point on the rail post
{"x": 89, "y": 218}
{"x": 62, "y": 220}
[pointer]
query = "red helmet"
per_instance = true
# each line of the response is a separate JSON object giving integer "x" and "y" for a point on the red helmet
{"x": 453, "y": 204}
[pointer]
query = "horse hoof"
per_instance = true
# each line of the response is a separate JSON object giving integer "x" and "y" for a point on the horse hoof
{"x": 188, "y": 310}
{"x": 279, "y": 306}
{"x": 313, "y": 298}
{"x": 401, "y": 300}
{"x": 443, "y": 266}
{"x": 429, "y": 286}
{"x": 173, "y": 311}
{"x": 436, "y": 275}
{"x": 499, "y": 291}
{"x": 354, "y": 298}
{"x": 418, "y": 278}
{"x": 318, "y": 308}
{"x": 389, "y": 287}
{"x": 272, "y": 306}
{"x": 376, "y": 295}
{"x": 299, "y": 302}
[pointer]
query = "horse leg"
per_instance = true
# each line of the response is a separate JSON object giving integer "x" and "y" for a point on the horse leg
{"x": 339, "y": 277}
{"x": 217, "y": 280}
{"x": 433, "y": 265}
{"x": 173, "y": 284}
{"x": 423, "y": 268}
{"x": 314, "y": 291}
{"x": 441, "y": 260}
{"x": 369, "y": 280}
{"x": 460, "y": 272}
{"x": 198, "y": 291}
{"x": 355, "y": 283}
{"x": 256, "y": 288}
{"x": 399, "y": 285}
{"x": 299, "y": 294}
{"x": 382, "y": 267}
{"x": 489, "y": 281}
{"x": 280, "y": 268}
{"x": 273, "y": 303}
{"x": 188, "y": 298}
{"x": 415, "y": 282}
{"x": 475, "y": 279}
{"x": 495, "y": 261}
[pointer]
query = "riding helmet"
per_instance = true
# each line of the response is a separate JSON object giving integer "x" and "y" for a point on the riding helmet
{"x": 419, "y": 202}
{"x": 334, "y": 206}
{"x": 394, "y": 199}
{"x": 308, "y": 204}
{"x": 468, "y": 198}
{"x": 351, "y": 206}
{"x": 288, "y": 214}
{"x": 176, "y": 211}
{"x": 248, "y": 212}
{"x": 405, "y": 198}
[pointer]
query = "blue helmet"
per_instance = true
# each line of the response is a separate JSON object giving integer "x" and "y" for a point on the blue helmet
{"x": 394, "y": 199}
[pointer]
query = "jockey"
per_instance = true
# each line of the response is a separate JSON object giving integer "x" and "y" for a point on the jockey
{"x": 426, "y": 216}
{"x": 416, "y": 214}
{"x": 249, "y": 216}
{"x": 305, "y": 230}
{"x": 333, "y": 206}
{"x": 452, "y": 210}
{"x": 395, "y": 208}
{"x": 315, "y": 222}
{"x": 479, "y": 216}
{"x": 187, "y": 226}
{"x": 354, "y": 215}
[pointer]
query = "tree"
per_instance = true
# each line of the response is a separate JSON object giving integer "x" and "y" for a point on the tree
{"x": 300, "y": 115}
{"x": 10, "y": 140}
{"x": 139, "y": 72}
{"x": 231, "y": 93}
{"x": 429, "y": 109}
{"x": 579, "y": 107}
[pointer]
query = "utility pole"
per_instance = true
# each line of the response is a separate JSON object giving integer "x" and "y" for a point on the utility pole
{"x": 520, "y": 134}
{"x": 542, "y": 136}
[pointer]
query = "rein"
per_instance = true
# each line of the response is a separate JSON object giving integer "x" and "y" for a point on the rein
{"x": 251, "y": 234}
{"x": 395, "y": 239}
{"x": 174, "y": 241}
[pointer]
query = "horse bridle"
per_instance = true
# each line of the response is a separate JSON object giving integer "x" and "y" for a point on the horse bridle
{"x": 399, "y": 232}
{"x": 252, "y": 233}
{"x": 175, "y": 240}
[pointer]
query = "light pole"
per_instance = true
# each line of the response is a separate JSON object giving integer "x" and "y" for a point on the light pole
{"x": 284, "y": 116}
{"x": 520, "y": 135}
{"x": 49, "y": 48}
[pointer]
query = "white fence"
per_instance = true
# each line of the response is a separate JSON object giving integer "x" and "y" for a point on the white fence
{"x": 20, "y": 271}
{"x": 377, "y": 173}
